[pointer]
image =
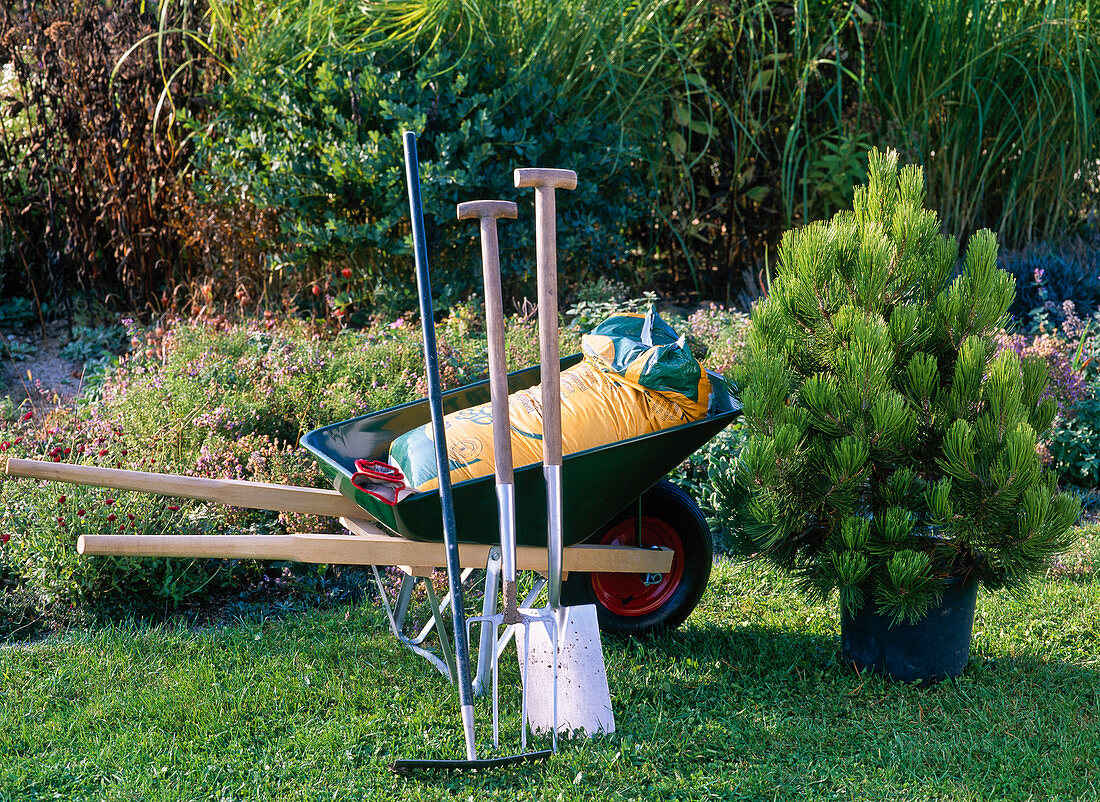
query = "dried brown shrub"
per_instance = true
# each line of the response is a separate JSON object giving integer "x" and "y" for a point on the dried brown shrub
{"x": 94, "y": 166}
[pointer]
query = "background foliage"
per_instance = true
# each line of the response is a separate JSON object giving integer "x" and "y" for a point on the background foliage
{"x": 320, "y": 144}
{"x": 701, "y": 132}
{"x": 89, "y": 173}
{"x": 220, "y": 156}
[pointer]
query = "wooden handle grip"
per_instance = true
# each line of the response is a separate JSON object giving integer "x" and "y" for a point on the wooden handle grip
{"x": 487, "y": 212}
{"x": 236, "y": 493}
{"x": 319, "y": 549}
{"x": 545, "y": 181}
{"x": 487, "y": 208}
{"x": 545, "y": 177}
{"x": 369, "y": 548}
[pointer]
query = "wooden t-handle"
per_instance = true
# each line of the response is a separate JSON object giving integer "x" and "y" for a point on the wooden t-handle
{"x": 545, "y": 177}
{"x": 487, "y": 211}
{"x": 545, "y": 181}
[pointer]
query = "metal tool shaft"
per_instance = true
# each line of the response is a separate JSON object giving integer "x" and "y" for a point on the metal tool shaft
{"x": 435, "y": 402}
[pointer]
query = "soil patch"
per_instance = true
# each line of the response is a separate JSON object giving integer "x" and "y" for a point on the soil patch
{"x": 34, "y": 369}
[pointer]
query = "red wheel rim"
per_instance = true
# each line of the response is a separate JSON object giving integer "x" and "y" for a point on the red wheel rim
{"x": 628, "y": 594}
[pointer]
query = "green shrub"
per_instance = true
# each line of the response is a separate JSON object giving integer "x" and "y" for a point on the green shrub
{"x": 738, "y": 120}
{"x": 94, "y": 345}
{"x": 717, "y": 338}
{"x": 47, "y": 519}
{"x": 595, "y": 302}
{"x": 720, "y": 334}
{"x": 18, "y": 312}
{"x": 1075, "y": 444}
{"x": 216, "y": 401}
{"x": 17, "y": 349}
{"x": 40, "y": 521}
{"x": 322, "y": 145}
{"x": 780, "y": 101}
{"x": 888, "y": 448}
{"x": 277, "y": 382}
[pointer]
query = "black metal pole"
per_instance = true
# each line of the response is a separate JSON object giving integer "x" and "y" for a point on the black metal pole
{"x": 435, "y": 403}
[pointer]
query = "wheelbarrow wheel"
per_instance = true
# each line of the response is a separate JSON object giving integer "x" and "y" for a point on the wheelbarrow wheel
{"x": 638, "y": 604}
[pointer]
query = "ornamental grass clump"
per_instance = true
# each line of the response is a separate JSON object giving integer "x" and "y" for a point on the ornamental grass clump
{"x": 891, "y": 447}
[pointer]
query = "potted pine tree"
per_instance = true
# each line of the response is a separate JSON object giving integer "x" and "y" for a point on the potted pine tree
{"x": 891, "y": 450}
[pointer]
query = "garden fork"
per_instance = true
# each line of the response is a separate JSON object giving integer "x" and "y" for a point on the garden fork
{"x": 487, "y": 212}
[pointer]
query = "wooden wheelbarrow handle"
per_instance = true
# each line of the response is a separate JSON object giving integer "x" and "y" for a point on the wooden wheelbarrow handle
{"x": 234, "y": 492}
{"x": 367, "y": 547}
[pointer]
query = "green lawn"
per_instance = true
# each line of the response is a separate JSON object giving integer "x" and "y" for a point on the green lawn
{"x": 747, "y": 700}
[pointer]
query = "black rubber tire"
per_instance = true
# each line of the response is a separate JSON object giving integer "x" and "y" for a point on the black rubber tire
{"x": 668, "y": 514}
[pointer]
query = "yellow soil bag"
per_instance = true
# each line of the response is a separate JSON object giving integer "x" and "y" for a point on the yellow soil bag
{"x": 637, "y": 377}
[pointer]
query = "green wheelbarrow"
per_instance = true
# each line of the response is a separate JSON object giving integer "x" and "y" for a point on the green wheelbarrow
{"x": 615, "y": 496}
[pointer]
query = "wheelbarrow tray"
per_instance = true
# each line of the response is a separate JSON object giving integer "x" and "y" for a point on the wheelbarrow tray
{"x": 597, "y": 483}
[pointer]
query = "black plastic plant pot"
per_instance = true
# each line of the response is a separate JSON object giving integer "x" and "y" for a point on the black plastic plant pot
{"x": 933, "y": 648}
